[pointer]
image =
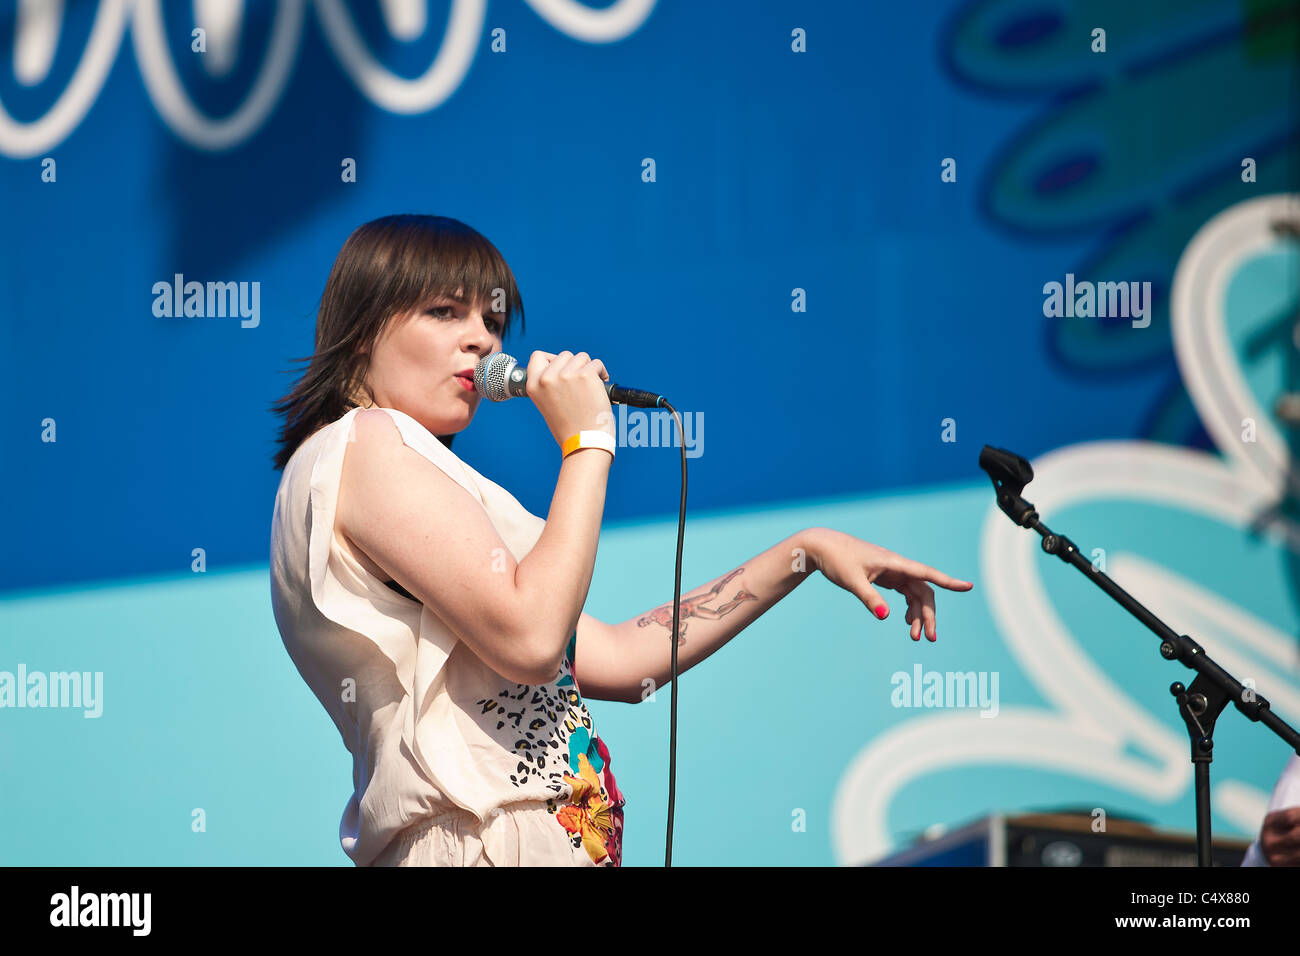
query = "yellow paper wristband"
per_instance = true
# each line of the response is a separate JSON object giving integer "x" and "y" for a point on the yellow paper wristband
{"x": 588, "y": 439}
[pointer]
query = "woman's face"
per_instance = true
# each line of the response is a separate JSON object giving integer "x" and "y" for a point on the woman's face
{"x": 416, "y": 363}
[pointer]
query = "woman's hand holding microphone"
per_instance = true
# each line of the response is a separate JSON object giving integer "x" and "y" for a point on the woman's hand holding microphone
{"x": 569, "y": 390}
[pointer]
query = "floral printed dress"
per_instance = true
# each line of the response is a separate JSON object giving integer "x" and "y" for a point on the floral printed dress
{"x": 593, "y": 816}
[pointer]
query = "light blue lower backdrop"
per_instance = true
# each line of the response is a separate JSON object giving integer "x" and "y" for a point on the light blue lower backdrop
{"x": 791, "y": 748}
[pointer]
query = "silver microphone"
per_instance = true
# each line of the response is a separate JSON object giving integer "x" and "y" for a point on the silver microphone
{"x": 499, "y": 376}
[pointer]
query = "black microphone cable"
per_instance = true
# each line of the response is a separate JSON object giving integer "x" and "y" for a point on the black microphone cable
{"x": 672, "y": 637}
{"x": 499, "y": 376}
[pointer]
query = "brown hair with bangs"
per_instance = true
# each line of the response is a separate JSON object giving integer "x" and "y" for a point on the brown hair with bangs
{"x": 387, "y": 268}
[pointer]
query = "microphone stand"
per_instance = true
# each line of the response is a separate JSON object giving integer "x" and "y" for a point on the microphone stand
{"x": 1213, "y": 687}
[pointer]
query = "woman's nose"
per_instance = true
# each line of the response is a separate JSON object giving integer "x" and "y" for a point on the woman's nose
{"x": 480, "y": 339}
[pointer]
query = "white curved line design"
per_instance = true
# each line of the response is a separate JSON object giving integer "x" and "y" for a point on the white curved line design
{"x": 594, "y": 26}
{"x": 36, "y": 38}
{"x": 1094, "y": 729}
{"x": 24, "y": 140}
{"x": 38, "y": 26}
{"x": 1213, "y": 379}
{"x": 221, "y": 20}
{"x": 405, "y": 19}
{"x": 386, "y": 89}
{"x": 174, "y": 105}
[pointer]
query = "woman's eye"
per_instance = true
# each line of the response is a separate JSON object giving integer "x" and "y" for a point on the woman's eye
{"x": 445, "y": 312}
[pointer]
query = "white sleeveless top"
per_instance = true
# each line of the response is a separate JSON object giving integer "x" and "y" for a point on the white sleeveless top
{"x": 430, "y": 727}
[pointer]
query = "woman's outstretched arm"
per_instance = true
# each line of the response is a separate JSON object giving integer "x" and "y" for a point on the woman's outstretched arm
{"x": 626, "y": 662}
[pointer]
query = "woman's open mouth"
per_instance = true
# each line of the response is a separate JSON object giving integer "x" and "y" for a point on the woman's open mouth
{"x": 466, "y": 381}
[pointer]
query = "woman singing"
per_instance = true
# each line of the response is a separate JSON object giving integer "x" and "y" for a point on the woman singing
{"x": 436, "y": 619}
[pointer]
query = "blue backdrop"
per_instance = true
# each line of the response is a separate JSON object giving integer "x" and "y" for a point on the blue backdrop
{"x": 825, "y": 232}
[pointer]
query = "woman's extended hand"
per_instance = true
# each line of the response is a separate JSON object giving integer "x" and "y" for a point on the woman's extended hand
{"x": 855, "y": 565}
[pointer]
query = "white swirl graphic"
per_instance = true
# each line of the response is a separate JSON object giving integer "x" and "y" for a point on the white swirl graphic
{"x": 397, "y": 95}
{"x": 1093, "y": 730}
{"x": 23, "y": 140}
{"x": 169, "y": 97}
{"x": 38, "y": 24}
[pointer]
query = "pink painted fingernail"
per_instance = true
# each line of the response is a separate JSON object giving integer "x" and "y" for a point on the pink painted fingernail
{"x": 881, "y": 611}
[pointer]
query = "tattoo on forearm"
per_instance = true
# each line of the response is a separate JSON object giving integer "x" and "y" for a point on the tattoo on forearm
{"x": 695, "y": 607}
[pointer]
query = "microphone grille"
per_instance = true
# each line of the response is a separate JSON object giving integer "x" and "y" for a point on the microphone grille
{"x": 490, "y": 376}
